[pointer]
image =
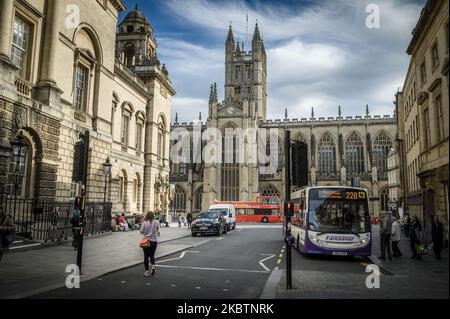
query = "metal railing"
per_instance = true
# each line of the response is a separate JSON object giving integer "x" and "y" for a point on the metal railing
{"x": 48, "y": 220}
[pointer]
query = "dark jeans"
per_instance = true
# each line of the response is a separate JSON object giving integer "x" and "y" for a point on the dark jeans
{"x": 437, "y": 247}
{"x": 395, "y": 249}
{"x": 386, "y": 245}
{"x": 149, "y": 252}
{"x": 76, "y": 237}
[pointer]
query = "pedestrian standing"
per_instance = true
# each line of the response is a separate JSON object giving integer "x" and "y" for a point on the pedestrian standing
{"x": 150, "y": 230}
{"x": 6, "y": 232}
{"x": 179, "y": 220}
{"x": 396, "y": 236}
{"x": 415, "y": 235}
{"x": 77, "y": 224}
{"x": 437, "y": 235}
{"x": 385, "y": 233}
{"x": 189, "y": 219}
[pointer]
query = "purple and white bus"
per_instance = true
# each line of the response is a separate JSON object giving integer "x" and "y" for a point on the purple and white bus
{"x": 332, "y": 220}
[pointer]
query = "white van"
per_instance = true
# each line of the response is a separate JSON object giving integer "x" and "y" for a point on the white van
{"x": 228, "y": 211}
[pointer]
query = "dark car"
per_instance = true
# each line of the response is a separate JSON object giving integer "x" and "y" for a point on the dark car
{"x": 209, "y": 222}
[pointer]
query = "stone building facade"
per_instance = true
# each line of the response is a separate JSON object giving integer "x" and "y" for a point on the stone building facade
{"x": 339, "y": 148}
{"x": 65, "y": 70}
{"x": 423, "y": 106}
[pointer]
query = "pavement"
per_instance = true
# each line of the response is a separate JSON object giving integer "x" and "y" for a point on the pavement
{"x": 321, "y": 277}
{"x": 26, "y": 273}
{"x": 232, "y": 266}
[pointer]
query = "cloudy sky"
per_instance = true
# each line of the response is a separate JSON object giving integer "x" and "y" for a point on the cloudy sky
{"x": 320, "y": 54}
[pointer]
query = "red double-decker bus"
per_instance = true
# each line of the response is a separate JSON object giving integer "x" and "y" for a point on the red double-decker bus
{"x": 266, "y": 209}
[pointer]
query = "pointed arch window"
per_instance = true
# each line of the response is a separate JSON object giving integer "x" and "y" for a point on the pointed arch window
{"x": 230, "y": 164}
{"x": 179, "y": 202}
{"x": 198, "y": 199}
{"x": 327, "y": 155}
{"x": 381, "y": 148}
{"x": 354, "y": 155}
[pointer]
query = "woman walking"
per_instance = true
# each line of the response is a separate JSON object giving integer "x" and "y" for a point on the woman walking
{"x": 150, "y": 230}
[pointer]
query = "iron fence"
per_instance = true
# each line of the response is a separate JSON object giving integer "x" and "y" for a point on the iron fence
{"x": 48, "y": 220}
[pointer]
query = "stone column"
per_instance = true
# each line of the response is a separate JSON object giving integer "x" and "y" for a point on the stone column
{"x": 47, "y": 90}
{"x": 6, "y": 21}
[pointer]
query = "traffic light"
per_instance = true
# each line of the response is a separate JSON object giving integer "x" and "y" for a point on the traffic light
{"x": 78, "y": 203}
{"x": 289, "y": 209}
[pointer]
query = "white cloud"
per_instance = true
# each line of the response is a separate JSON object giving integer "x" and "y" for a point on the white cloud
{"x": 321, "y": 55}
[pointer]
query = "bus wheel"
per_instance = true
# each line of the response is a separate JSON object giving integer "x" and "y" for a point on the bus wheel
{"x": 265, "y": 220}
{"x": 298, "y": 242}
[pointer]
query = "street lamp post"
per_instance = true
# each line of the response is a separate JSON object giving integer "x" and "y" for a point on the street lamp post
{"x": 106, "y": 170}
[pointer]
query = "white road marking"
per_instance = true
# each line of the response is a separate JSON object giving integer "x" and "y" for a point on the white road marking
{"x": 148, "y": 284}
{"x": 221, "y": 238}
{"x": 198, "y": 288}
{"x": 123, "y": 282}
{"x": 177, "y": 258}
{"x": 276, "y": 268}
{"x": 261, "y": 262}
{"x": 173, "y": 285}
{"x": 224, "y": 290}
{"x": 216, "y": 269}
{"x": 202, "y": 242}
{"x": 279, "y": 261}
{"x": 281, "y": 256}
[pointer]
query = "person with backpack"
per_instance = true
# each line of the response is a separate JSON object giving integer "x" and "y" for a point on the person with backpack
{"x": 150, "y": 230}
{"x": 77, "y": 224}
{"x": 7, "y": 229}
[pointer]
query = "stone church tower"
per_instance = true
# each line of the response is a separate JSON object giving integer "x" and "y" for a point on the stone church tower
{"x": 243, "y": 108}
{"x": 136, "y": 48}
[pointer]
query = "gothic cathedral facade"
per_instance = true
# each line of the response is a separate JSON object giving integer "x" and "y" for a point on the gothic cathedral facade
{"x": 339, "y": 148}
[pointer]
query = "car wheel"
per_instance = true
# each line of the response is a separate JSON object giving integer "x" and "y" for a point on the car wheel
{"x": 234, "y": 226}
{"x": 228, "y": 227}
{"x": 194, "y": 234}
{"x": 265, "y": 220}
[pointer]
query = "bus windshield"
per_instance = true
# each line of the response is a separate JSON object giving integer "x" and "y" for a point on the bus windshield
{"x": 338, "y": 211}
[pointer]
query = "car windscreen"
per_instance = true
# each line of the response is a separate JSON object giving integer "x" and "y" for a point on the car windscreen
{"x": 208, "y": 215}
{"x": 224, "y": 211}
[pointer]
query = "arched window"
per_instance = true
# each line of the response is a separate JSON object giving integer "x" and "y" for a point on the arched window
{"x": 269, "y": 190}
{"x": 230, "y": 164}
{"x": 161, "y": 141}
{"x": 354, "y": 155}
{"x": 179, "y": 201}
{"x": 130, "y": 29}
{"x": 127, "y": 112}
{"x": 327, "y": 155}
{"x": 198, "y": 199}
{"x": 381, "y": 148}
{"x": 129, "y": 54}
{"x": 384, "y": 200}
